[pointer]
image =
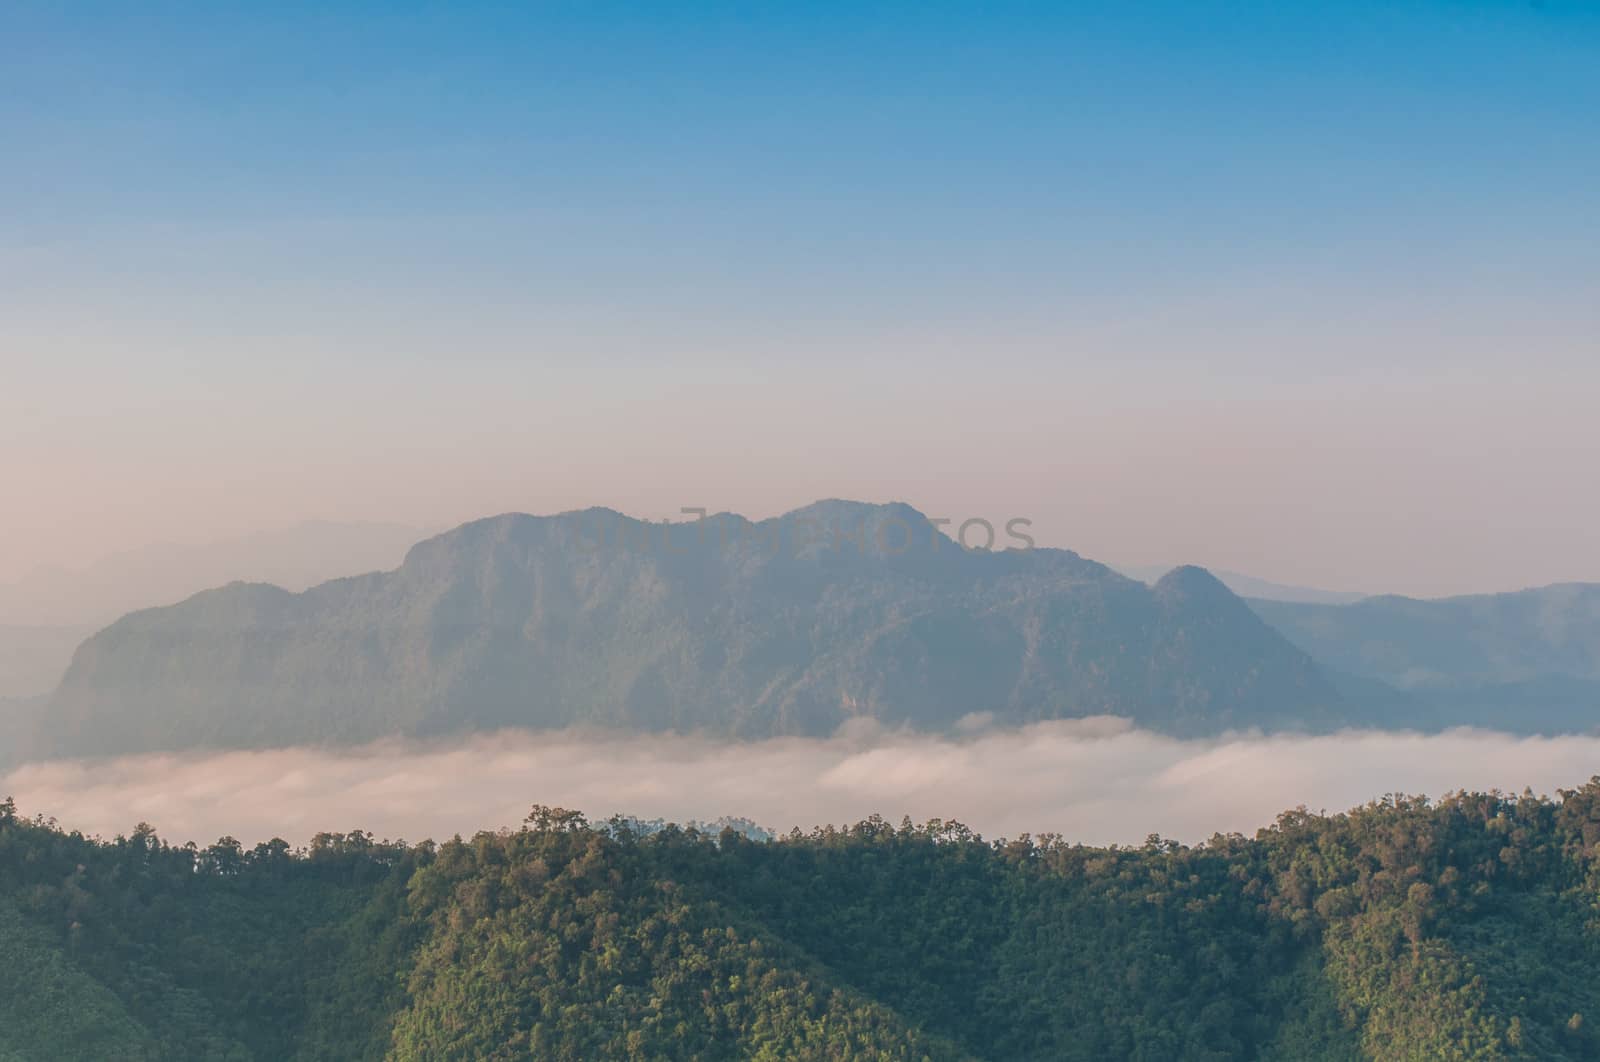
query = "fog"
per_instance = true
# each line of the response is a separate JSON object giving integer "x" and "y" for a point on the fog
{"x": 1097, "y": 781}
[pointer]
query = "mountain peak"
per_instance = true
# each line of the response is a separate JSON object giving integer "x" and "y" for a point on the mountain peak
{"x": 850, "y": 508}
{"x": 871, "y": 529}
{"x": 1193, "y": 581}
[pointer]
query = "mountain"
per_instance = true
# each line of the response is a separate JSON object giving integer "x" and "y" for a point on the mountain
{"x": 1248, "y": 586}
{"x": 792, "y": 625}
{"x": 1528, "y": 660}
{"x": 1401, "y": 930}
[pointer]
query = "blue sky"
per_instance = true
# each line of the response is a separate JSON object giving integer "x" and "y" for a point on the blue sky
{"x": 1299, "y": 289}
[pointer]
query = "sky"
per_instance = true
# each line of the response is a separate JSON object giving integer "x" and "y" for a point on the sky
{"x": 1303, "y": 291}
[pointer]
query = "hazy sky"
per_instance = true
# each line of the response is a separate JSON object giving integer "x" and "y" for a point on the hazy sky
{"x": 1307, "y": 291}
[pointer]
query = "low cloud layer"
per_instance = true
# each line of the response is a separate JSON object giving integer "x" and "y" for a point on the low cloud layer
{"x": 1097, "y": 781}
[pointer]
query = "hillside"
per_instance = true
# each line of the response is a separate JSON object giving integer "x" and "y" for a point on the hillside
{"x": 789, "y": 626}
{"x": 1462, "y": 929}
{"x": 1527, "y": 661}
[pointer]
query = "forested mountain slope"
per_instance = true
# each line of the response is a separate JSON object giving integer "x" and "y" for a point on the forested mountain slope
{"x": 1462, "y": 929}
{"x": 788, "y": 626}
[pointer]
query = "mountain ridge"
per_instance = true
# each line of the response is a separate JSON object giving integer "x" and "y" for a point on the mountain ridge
{"x": 789, "y": 625}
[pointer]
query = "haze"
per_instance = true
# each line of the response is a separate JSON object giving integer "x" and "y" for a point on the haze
{"x": 1096, "y": 781}
{"x": 1306, "y": 295}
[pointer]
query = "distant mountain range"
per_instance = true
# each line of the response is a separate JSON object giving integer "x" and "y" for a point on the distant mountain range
{"x": 789, "y": 626}
{"x": 33, "y": 659}
{"x": 294, "y": 558}
{"x": 793, "y": 625}
{"x": 48, "y": 613}
{"x": 1528, "y": 660}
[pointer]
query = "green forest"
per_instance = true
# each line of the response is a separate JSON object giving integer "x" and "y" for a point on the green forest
{"x": 1465, "y": 928}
